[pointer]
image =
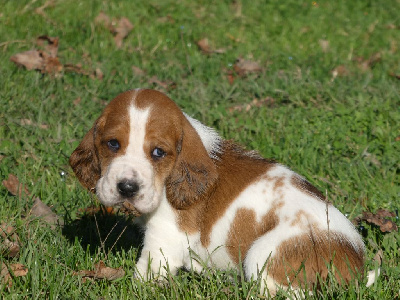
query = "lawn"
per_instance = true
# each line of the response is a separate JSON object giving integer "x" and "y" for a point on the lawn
{"x": 312, "y": 84}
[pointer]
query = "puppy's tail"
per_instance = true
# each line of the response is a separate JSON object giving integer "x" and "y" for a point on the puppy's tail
{"x": 373, "y": 276}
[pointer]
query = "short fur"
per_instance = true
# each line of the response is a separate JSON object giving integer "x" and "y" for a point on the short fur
{"x": 209, "y": 196}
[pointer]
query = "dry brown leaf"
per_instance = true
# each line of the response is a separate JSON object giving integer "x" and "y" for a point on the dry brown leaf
{"x": 244, "y": 67}
{"x": 167, "y": 85}
{"x": 17, "y": 270}
{"x": 32, "y": 60}
{"x": 166, "y": 19}
{"x": 9, "y": 241}
{"x": 340, "y": 71}
{"x": 119, "y": 28}
{"x": 397, "y": 76}
{"x": 102, "y": 272}
{"x": 45, "y": 60}
{"x": 77, "y": 101}
{"x": 231, "y": 78}
{"x": 128, "y": 209}
{"x": 384, "y": 213}
{"x": 29, "y": 122}
{"x": 379, "y": 219}
{"x": 9, "y": 248}
{"x": 103, "y": 19}
{"x": 205, "y": 47}
{"x": 122, "y": 30}
{"x": 236, "y": 6}
{"x": 324, "y": 45}
{"x": 98, "y": 73}
{"x": 367, "y": 64}
{"x": 14, "y": 187}
{"x": 78, "y": 69}
{"x": 50, "y": 45}
{"x": 137, "y": 71}
{"x": 268, "y": 101}
{"x": 41, "y": 210}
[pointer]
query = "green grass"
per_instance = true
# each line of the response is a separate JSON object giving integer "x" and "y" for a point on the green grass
{"x": 341, "y": 133}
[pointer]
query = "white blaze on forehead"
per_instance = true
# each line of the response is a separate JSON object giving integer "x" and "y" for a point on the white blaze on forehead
{"x": 137, "y": 133}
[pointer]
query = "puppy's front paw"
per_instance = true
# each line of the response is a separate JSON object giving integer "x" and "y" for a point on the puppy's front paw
{"x": 147, "y": 269}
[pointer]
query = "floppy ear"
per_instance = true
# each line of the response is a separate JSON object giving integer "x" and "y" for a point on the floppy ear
{"x": 194, "y": 174}
{"x": 84, "y": 161}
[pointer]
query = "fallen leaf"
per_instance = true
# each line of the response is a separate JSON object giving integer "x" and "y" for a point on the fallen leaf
{"x": 340, "y": 71}
{"x": 29, "y": 122}
{"x": 14, "y": 187}
{"x": 384, "y": 213}
{"x": 40, "y": 10}
{"x": 129, "y": 209}
{"x": 380, "y": 219}
{"x": 367, "y": 64}
{"x": 324, "y": 45}
{"x": 77, "y": 101}
{"x": 236, "y": 6}
{"x": 50, "y": 45}
{"x": 119, "y": 28}
{"x": 137, "y": 71}
{"x": 31, "y": 60}
{"x": 392, "y": 26}
{"x": 166, "y": 19}
{"x": 41, "y": 210}
{"x": 98, "y": 73}
{"x": 204, "y": 46}
{"x": 244, "y": 67}
{"x": 45, "y": 60}
{"x": 268, "y": 101}
{"x": 231, "y": 78}
{"x": 122, "y": 31}
{"x": 17, "y": 270}
{"x": 9, "y": 241}
{"x": 103, "y": 19}
{"x": 167, "y": 85}
{"x": 397, "y": 76}
{"x": 102, "y": 272}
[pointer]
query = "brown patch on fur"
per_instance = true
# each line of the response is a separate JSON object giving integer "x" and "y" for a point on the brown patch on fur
{"x": 189, "y": 220}
{"x": 306, "y": 187}
{"x": 237, "y": 169}
{"x": 92, "y": 156}
{"x": 279, "y": 182}
{"x": 245, "y": 230}
{"x": 301, "y": 216}
{"x": 301, "y": 258}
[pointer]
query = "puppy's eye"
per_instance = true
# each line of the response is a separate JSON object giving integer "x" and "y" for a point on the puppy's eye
{"x": 158, "y": 153}
{"x": 113, "y": 145}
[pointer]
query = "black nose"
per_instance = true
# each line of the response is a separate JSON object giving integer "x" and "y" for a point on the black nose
{"x": 127, "y": 188}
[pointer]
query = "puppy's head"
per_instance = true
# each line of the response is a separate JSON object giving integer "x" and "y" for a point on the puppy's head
{"x": 143, "y": 148}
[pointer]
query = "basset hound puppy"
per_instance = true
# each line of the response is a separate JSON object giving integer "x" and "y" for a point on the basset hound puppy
{"x": 207, "y": 202}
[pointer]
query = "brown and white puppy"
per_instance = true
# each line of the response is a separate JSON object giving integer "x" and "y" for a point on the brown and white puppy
{"x": 199, "y": 193}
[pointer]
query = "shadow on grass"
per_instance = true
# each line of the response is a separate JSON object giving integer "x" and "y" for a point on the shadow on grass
{"x": 112, "y": 232}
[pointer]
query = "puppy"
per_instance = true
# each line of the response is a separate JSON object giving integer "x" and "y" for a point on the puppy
{"x": 199, "y": 193}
